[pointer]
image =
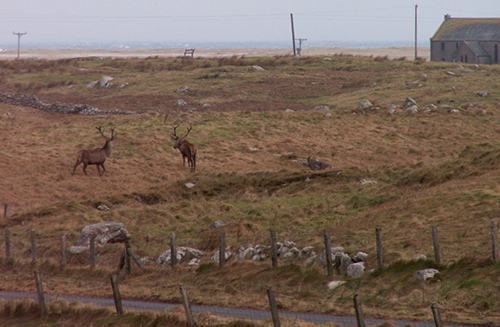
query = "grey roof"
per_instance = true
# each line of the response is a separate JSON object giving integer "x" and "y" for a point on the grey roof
{"x": 477, "y": 49}
{"x": 468, "y": 29}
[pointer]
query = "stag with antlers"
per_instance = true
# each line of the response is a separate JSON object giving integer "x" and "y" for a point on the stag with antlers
{"x": 96, "y": 156}
{"x": 187, "y": 149}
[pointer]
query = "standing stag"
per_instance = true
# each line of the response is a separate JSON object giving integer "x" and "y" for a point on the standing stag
{"x": 185, "y": 148}
{"x": 96, "y": 156}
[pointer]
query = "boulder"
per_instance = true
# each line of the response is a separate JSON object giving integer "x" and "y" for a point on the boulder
{"x": 334, "y": 284}
{"x": 184, "y": 254}
{"x": 109, "y": 232}
{"x": 426, "y": 274}
{"x": 356, "y": 270}
{"x": 363, "y": 104}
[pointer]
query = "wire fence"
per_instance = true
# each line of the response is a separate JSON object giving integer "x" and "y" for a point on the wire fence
{"x": 219, "y": 248}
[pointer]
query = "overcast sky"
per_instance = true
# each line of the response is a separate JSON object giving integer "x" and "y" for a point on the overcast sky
{"x": 191, "y": 22}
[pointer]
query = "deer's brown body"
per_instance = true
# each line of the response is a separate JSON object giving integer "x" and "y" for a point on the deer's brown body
{"x": 188, "y": 150}
{"x": 97, "y": 156}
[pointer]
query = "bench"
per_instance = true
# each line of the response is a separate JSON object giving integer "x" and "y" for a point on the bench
{"x": 188, "y": 52}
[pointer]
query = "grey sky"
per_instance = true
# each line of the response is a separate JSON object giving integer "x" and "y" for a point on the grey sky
{"x": 190, "y": 21}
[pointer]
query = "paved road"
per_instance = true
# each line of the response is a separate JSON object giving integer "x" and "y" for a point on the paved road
{"x": 220, "y": 311}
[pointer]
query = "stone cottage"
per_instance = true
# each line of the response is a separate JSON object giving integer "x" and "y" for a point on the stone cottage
{"x": 467, "y": 40}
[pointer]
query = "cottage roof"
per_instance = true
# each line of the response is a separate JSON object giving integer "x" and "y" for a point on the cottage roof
{"x": 468, "y": 29}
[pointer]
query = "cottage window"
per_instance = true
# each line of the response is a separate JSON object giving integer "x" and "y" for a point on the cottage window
{"x": 442, "y": 46}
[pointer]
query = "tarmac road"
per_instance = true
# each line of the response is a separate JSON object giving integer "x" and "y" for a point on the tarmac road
{"x": 250, "y": 314}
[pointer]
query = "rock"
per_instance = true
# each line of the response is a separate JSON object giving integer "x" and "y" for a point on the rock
{"x": 109, "y": 232}
{"x": 216, "y": 255}
{"x": 392, "y": 106}
{"x": 483, "y": 94}
{"x": 190, "y": 185}
{"x": 345, "y": 261}
{"x": 453, "y": 111}
{"x": 316, "y": 164}
{"x": 253, "y": 149}
{"x": 310, "y": 261}
{"x": 322, "y": 108}
{"x": 180, "y": 103}
{"x": 92, "y": 84}
{"x": 183, "y": 89}
{"x": 360, "y": 256}
{"x": 184, "y": 254}
{"x": 103, "y": 207}
{"x": 218, "y": 223}
{"x": 329, "y": 114}
{"x": 194, "y": 262}
{"x": 408, "y": 103}
{"x": 289, "y": 110}
{"x": 307, "y": 250}
{"x": 258, "y": 68}
{"x": 334, "y": 284}
{"x": 426, "y": 274}
{"x": 411, "y": 110}
{"x": 367, "y": 181}
{"x": 363, "y": 104}
{"x": 104, "y": 81}
{"x": 356, "y": 270}
{"x": 420, "y": 257}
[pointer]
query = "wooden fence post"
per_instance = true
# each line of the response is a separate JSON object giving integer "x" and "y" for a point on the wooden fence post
{"x": 92, "y": 250}
{"x": 40, "y": 295}
{"x": 128, "y": 265}
{"x": 33, "y": 245}
{"x": 494, "y": 241}
{"x": 380, "y": 248}
{"x": 274, "y": 307}
{"x": 116, "y": 295}
{"x": 359, "y": 311}
{"x": 274, "y": 250}
{"x": 5, "y": 210}
{"x": 7, "y": 244}
{"x": 187, "y": 306}
{"x": 63, "y": 250}
{"x": 328, "y": 253}
{"x": 222, "y": 250}
{"x": 435, "y": 241}
{"x": 173, "y": 250}
{"x": 436, "y": 315}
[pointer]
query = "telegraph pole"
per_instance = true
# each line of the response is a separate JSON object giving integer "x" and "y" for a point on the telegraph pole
{"x": 18, "y": 42}
{"x": 416, "y": 6}
{"x": 293, "y": 36}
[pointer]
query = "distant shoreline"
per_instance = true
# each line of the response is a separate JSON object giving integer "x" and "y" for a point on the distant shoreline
{"x": 391, "y": 52}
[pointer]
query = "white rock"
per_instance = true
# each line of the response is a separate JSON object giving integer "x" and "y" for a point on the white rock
{"x": 356, "y": 270}
{"x": 426, "y": 274}
{"x": 334, "y": 284}
{"x": 190, "y": 185}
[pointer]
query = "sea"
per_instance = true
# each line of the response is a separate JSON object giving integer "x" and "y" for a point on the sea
{"x": 207, "y": 45}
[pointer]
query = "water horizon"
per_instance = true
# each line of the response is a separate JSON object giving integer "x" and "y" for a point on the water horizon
{"x": 205, "y": 45}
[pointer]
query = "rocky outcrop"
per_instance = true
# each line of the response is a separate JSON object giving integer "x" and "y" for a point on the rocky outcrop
{"x": 105, "y": 233}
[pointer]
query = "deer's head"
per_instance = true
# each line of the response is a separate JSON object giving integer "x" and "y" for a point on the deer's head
{"x": 109, "y": 141}
{"x": 178, "y": 139}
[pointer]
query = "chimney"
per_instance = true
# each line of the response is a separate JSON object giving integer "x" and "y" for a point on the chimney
{"x": 447, "y": 16}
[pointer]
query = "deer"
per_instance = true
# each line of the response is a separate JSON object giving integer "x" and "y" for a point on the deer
{"x": 188, "y": 150}
{"x": 97, "y": 156}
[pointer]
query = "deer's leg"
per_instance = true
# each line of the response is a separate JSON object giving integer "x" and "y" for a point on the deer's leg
{"x": 103, "y": 169}
{"x": 183, "y": 160}
{"x": 85, "y": 168}
{"x": 76, "y": 165}
{"x": 194, "y": 163}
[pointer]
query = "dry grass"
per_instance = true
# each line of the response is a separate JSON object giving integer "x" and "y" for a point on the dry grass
{"x": 433, "y": 168}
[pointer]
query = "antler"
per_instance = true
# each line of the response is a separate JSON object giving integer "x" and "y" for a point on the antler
{"x": 113, "y": 134}
{"x": 100, "y": 131}
{"x": 175, "y": 134}
{"x": 188, "y": 130}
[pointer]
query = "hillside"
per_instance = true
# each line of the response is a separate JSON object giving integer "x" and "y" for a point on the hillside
{"x": 253, "y": 121}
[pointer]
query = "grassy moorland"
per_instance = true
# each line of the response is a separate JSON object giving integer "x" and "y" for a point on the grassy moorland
{"x": 432, "y": 168}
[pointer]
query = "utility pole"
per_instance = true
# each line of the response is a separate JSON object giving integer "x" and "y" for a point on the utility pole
{"x": 18, "y": 42}
{"x": 416, "y": 6}
{"x": 293, "y": 36}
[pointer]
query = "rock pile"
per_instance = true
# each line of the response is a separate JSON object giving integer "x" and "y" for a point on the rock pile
{"x": 32, "y": 101}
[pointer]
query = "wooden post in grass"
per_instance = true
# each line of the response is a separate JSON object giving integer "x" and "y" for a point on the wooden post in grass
{"x": 435, "y": 241}
{"x": 116, "y": 295}
{"x": 436, "y": 315}
{"x": 328, "y": 253}
{"x": 274, "y": 250}
{"x": 40, "y": 295}
{"x": 92, "y": 250}
{"x": 128, "y": 266}
{"x": 63, "y": 250}
{"x": 359, "y": 311}
{"x": 274, "y": 307}
{"x": 33, "y": 245}
{"x": 222, "y": 250}
{"x": 7, "y": 244}
{"x": 380, "y": 248}
{"x": 5, "y": 210}
{"x": 187, "y": 306}
{"x": 173, "y": 250}
{"x": 494, "y": 241}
